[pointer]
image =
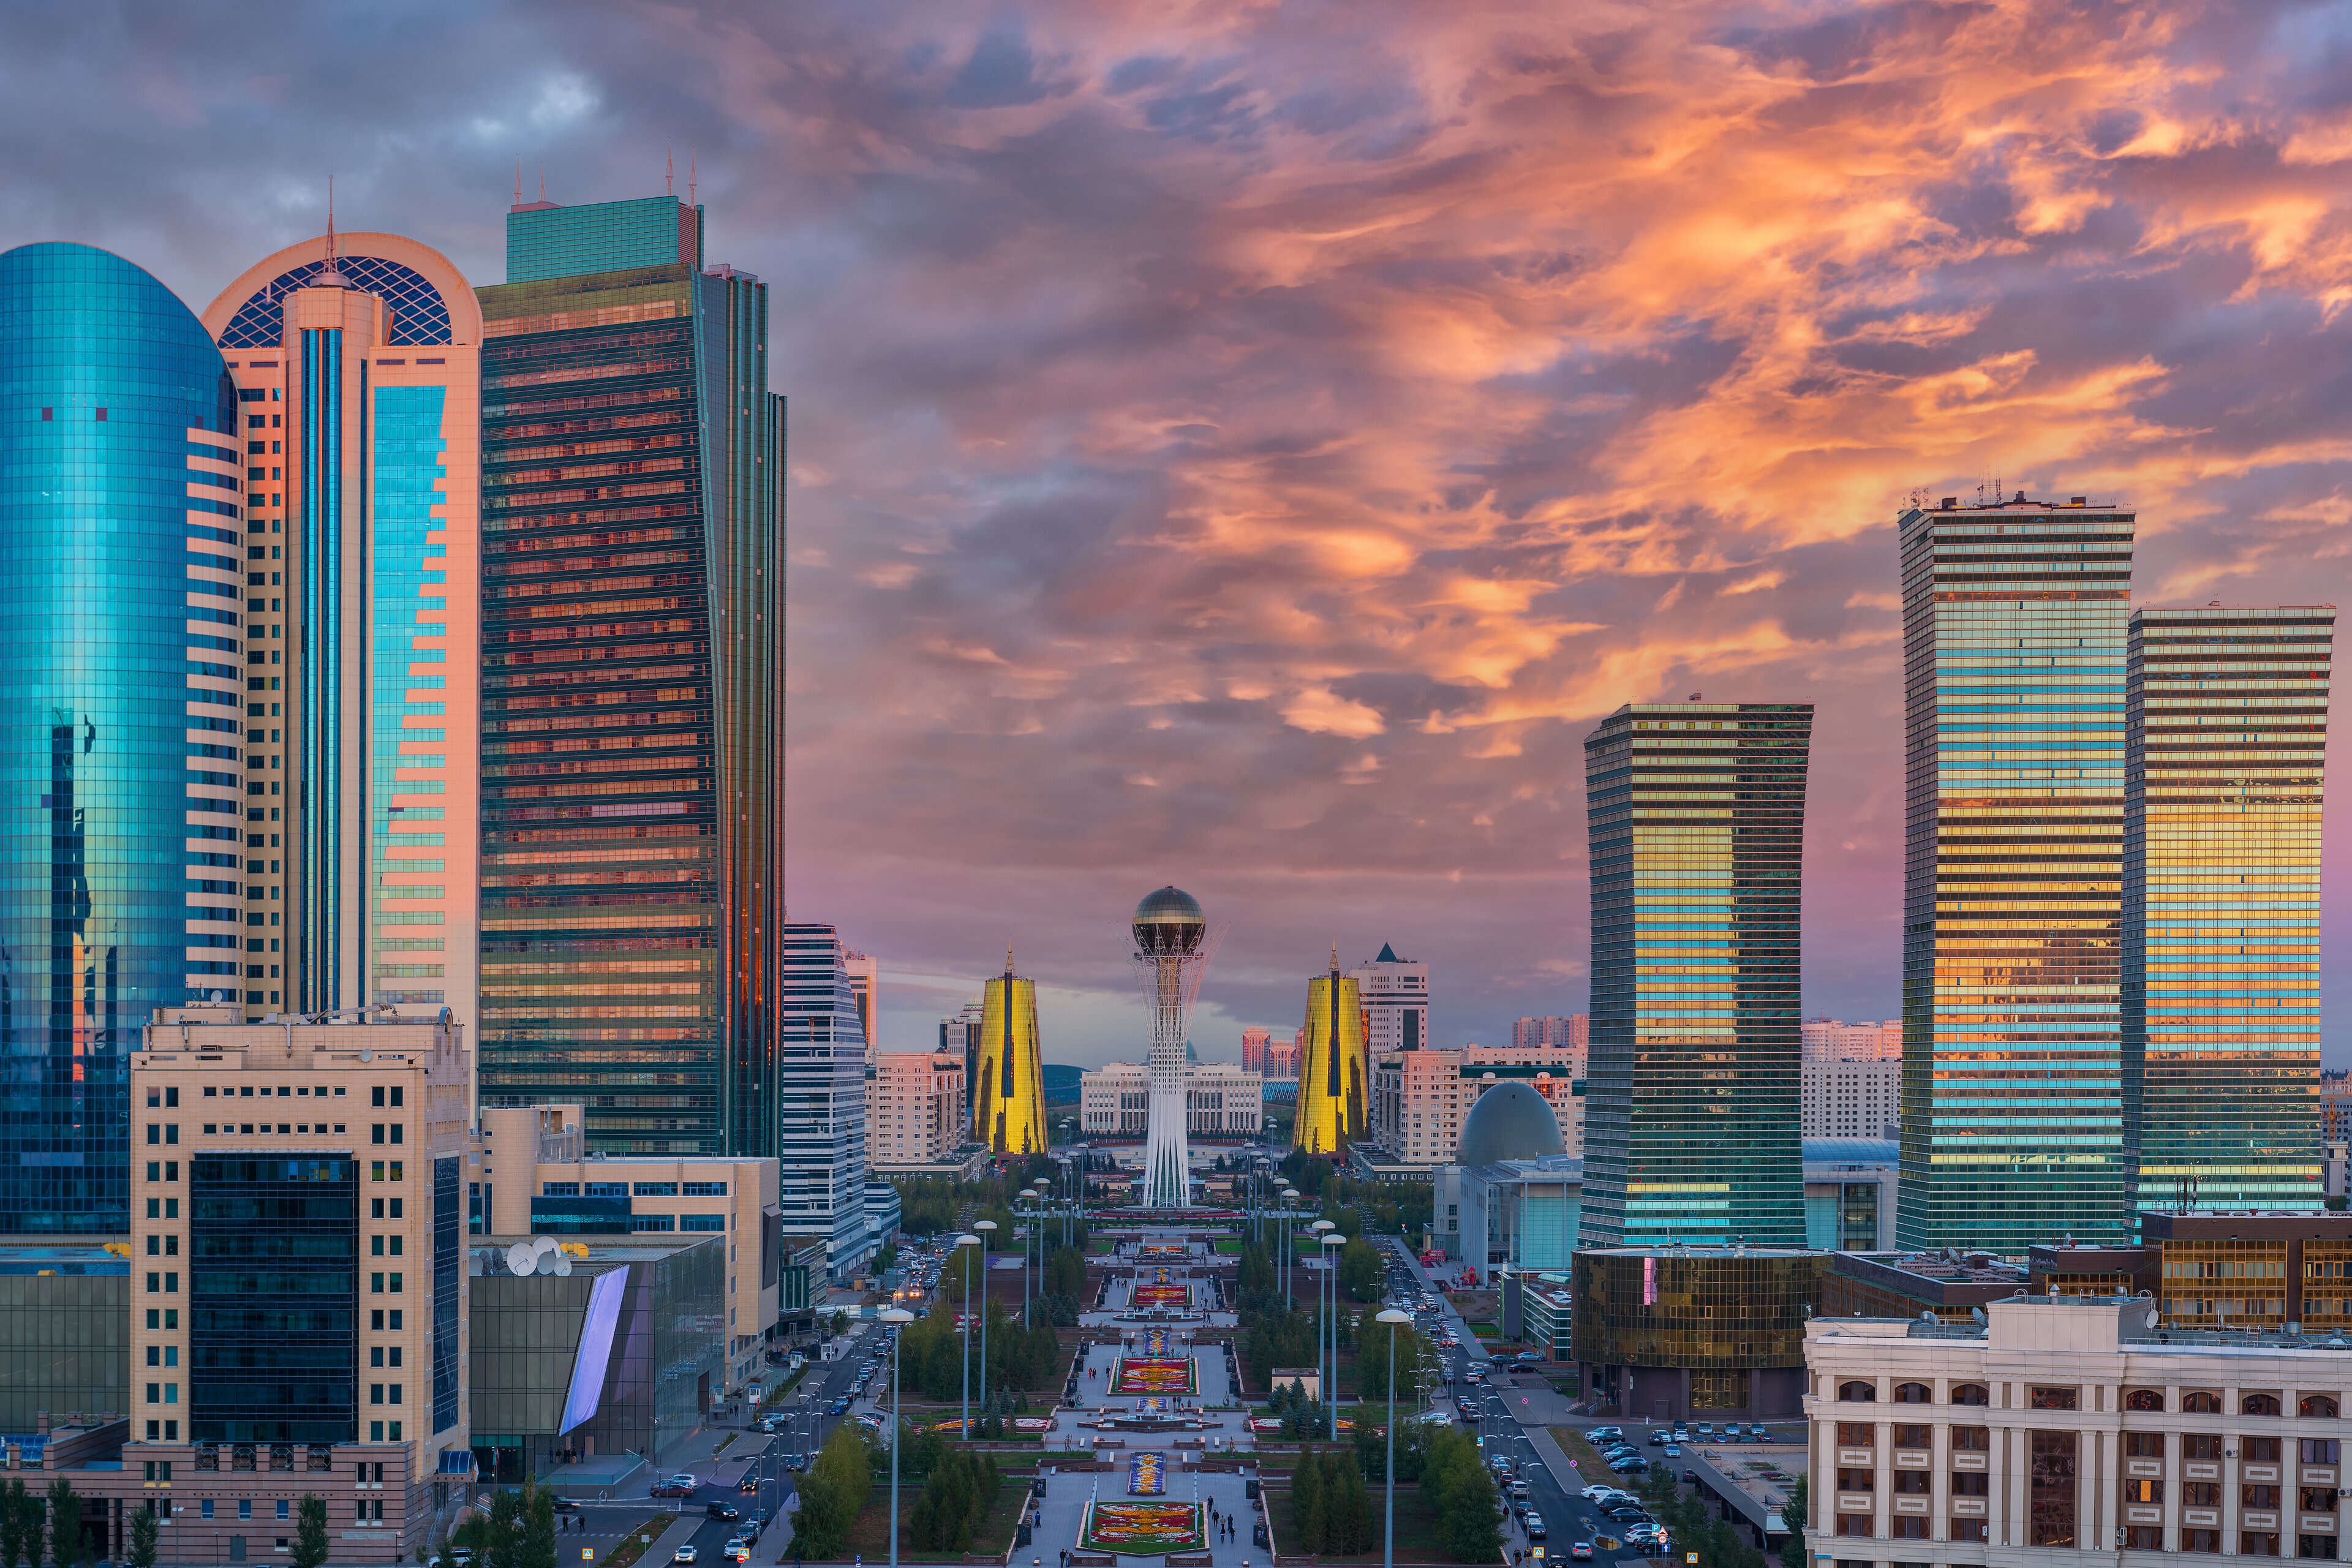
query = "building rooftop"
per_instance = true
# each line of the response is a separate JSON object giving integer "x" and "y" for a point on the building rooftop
{"x": 43, "y": 1256}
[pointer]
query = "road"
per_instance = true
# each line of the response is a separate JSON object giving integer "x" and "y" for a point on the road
{"x": 1568, "y": 1517}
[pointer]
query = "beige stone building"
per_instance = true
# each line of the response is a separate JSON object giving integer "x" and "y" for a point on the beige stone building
{"x": 915, "y": 1109}
{"x": 1419, "y": 1097}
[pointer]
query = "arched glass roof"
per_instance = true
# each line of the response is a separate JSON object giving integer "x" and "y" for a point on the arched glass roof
{"x": 420, "y": 317}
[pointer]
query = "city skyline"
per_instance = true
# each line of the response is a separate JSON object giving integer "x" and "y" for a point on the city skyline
{"x": 1679, "y": 474}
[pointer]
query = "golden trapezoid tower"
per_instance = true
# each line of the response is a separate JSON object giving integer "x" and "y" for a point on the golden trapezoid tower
{"x": 1008, "y": 1103}
{"x": 1333, "y": 1071}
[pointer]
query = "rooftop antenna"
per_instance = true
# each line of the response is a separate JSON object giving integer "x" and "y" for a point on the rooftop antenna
{"x": 690, "y": 181}
{"x": 543, "y": 182}
{"x": 517, "y": 182}
{"x": 669, "y": 172}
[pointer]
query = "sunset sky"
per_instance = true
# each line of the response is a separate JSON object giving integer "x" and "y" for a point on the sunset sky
{"x": 1247, "y": 446}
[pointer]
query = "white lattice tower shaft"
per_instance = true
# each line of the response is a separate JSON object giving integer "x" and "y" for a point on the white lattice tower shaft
{"x": 1165, "y": 1155}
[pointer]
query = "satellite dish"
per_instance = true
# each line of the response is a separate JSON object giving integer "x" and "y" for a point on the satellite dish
{"x": 544, "y": 1244}
{"x": 367, "y": 1055}
{"x": 563, "y": 1267}
{"x": 521, "y": 1257}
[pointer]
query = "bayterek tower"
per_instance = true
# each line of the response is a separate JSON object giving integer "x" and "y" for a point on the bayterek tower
{"x": 1171, "y": 948}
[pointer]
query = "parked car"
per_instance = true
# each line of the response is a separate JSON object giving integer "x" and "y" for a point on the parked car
{"x": 1673, "y": 1451}
{"x": 1535, "y": 1524}
{"x": 1655, "y": 1439}
{"x": 1581, "y": 1551}
{"x": 1598, "y": 1433}
{"x": 1705, "y": 1429}
{"x": 673, "y": 1485}
{"x": 1691, "y": 1475}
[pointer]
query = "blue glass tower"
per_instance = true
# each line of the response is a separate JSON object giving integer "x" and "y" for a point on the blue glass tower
{"x": 120, "y": 770}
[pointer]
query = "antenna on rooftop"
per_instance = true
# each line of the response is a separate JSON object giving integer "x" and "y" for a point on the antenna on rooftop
{"x": 670, "y": 173}
{"x": 330, "y": 223}
{"x": 517, "y": 182}
{"x": 690, "y": 180}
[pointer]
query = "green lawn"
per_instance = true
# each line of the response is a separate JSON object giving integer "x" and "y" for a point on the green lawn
{"x": 1229, "y": 1245}
{"x": 871, "y": 1534}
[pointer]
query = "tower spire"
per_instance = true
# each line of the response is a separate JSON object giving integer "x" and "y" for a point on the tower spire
{"x": 669, "y": 172}
{"x": 690, "y": 198}
{"x": 517, "y": 182}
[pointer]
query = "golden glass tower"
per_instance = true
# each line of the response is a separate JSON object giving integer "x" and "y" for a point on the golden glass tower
{"x": 1332, "y": 1065}
{"x": 1008, "y": 1103}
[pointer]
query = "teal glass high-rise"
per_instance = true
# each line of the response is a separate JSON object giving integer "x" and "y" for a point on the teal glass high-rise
{"x": 2014, "y": 1099}
{"x": 121, "y": 646}
{"x": 1697, "y": 823}
{"x": 2228, "y": 731}
{"x": 632, "y": 683}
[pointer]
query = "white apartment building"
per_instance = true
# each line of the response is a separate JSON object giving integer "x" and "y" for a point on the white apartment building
{"x": 2069, "y": 1425}
{"x": 820, "y": 1101}
{"x": 1419, "y": 1097}
{"x": 1220, "y": 1100}
{"x": 1833, "y": 1039}
{"x": 1575, "y": 1029}
{"x": 915, "y": 1116}
{"x": 1844, "y": 1098}
{"x": 864, "y": 976}
{"x": 1395, "y": 997}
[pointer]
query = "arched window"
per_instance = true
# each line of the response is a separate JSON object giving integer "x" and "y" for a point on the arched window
{"x": 2315, "y": 1405}
{"x": 1864, "y": 1391}
{"x": 2144, "y": 1399}
{"x": 1913, "y": 1394}
{"x": 1968, "y": 1394}
{"x": 2200, "y": 1402}
{"x": 2259, "y": 1405}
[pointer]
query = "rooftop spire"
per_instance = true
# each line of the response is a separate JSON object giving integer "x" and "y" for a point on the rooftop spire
{"x": 331, "y": 275}
{"x": 669, "y": 172}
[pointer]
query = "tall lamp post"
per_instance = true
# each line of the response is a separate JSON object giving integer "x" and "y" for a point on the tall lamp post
{"x": 1391, "y": 1317}
{"x": 1332, "y": 1241}
{"x": 1317, "y": 1232}
{"x": 967, "y": 1239}
{"x": 894, "y": 1317}
{"x": 987, "y": 1227}
{"x": 1289, "y": 1253}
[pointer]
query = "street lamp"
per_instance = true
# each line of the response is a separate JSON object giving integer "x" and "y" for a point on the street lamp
{"x": 1388, "y": 1536}
{"x": 964, "y": 1430}
{"x": 895, "y": 1316}
{"x": 1332, "y": 1239}
{"x": 986, "y": 1227}
{"x": 1289, "y": 1261}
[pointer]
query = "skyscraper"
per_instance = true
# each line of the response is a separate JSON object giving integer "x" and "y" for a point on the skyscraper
{"x": 632, "y": 683}
{"x": 1334, "y": 1070}
{"x": 820, "y": 1090}
{"x": 357, "y": 362}
{"x": 121, "y": 657}
{"x": 2013, "y": 1095}
{"x": 1253, "y": 1050}
{"x": 1696, "y": 814}
{"x": 1396, "y": 1002}
{"x": 1009, "y": 1100}
{"x": 864, "y": 980}
{"x": 2227, "y": 722}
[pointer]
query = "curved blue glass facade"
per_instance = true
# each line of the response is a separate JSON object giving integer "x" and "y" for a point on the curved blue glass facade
{"x": 120, "y": 777}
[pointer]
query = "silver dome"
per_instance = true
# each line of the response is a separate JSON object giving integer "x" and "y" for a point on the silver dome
{"x": 1169, "y": 922}
{"x": 1510, "y": 1121}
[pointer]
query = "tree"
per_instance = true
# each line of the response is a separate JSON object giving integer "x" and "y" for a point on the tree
{"x": 65, "y": 1523}
{"x": 1360, "y": 1270}
{"x": 1792, "y": 1514}
{"x": 1462, "y": 1495}
{"x": 142, "y": 1540}
{"x": 1306, "y": 1505}
{"x": 310, "y": 1532}
{"x": 20, "y": 1529}
{"x": 835, "y": 1488}
{"x": 536, "y": 1527}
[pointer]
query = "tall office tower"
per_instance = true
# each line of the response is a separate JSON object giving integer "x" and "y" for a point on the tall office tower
{"x": 1009, "y": 1100}
{"x": 120, "y": 483}
{"x": 960, "y": 1035}
{"x": 1253, "y": 1050}
{"x": 1282, "y": 1057}
{"x": 2013, "y": 1100}
{"x": 820, "y": 1089}
{"x": 1396, "y": 1002}
{"x": 865, "y": 976}
{"x": 1334, "y": 1069}
{"x": 632, "y": 683}
{"x": 2226, "y": 721}
{"x": 1696, "y": 818}
{"x": 358, "y": 367}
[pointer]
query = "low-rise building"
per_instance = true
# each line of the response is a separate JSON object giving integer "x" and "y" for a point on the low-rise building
{"x": 2062, "y": 1425}
{"x": 1693, "y": 1332}
{"x": 1221, "y": 1101}
{"x": 1850, "y": 1185}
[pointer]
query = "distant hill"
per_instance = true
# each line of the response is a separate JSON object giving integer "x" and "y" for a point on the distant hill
{"x": 1065, "y": 1078}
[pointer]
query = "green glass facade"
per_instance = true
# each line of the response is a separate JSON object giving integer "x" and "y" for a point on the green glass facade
{"x": 1697, "y": 816}
{"x": 2015, "y": 1110}
{"x": 2228, "y": 728}
{"x": 632, "y": 687}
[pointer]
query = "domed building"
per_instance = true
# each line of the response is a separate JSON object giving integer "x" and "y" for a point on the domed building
{"x": 1511, "y": 1197}
{"x": 1510, "y": 1121}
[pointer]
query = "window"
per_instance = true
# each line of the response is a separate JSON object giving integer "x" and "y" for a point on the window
{"x": 2320, "y": 1450}
{"x": 2259, "y": 1405}
{"x": 2315, "y": 1405}
{"x": 2200, "y": 1494}
{"x": 2200, "y": 1445}
{"x": 1914, "y": 1483}
{"x": 1914, "y": 1436}
{"x": 2144, "y": 1399}
{"x": 1847, "y": 1523}
{"x": 2258, "y": 1543}
{"x": 2257, "y": 1495}
{"x": 207, "y": 1508}
{"x": 1968, "y": 1394}
{"x": 2258, "y": 1450}
{"x": 2144, "y": 1444}
{"x": 2198, "y": 1402}
{"x": 2054, "y": 1399}
{"x": 1971, "y": 1439}
{"x": 703, "y": 1222}
{"x": 1856, "y": 1435}
{"x": 2318, "y": 1500}
{"x": 1857, "y": 1480}
{"x": 1912, "y": 1394}
{"x": 2053, "y": 1502}
{"x": 1969, "y": 1530}
{"x": 245, "y": 1508}
{"x": 1972, "y": 1483}
{"x": 2144, "y": 1537}
{"x": 1859, "y": 1392}
{"x": 656, "y": 1189}
{"x": 706, "y": 1189}
{"x": 2200, "y": 1540}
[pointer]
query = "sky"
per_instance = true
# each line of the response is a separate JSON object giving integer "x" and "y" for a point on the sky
{"x": 1247, "y": 446}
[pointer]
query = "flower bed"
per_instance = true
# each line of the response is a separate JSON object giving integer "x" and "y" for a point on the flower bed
{"x": 1142, "y": 1529}
{"x": 1140, "y": 1376}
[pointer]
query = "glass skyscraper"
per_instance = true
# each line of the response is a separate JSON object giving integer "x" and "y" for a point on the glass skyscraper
{"x": 819, "y": 1076}
{"x": 358, "y": 364}
{"x": 632, "y": 684}
{"x": 2228, "y": 730}
{"x": 121, "y": 639}
{"x": 1696, "y": 821}
{"x": 2014, "y": 1094}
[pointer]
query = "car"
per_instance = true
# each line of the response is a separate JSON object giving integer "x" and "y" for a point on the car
{"x": 1691, "y": 1475}
{"x": 836, "y": 1407}
{"x": 1631, "y": 1467}
{"x": 685, "y": 1553}
{"x": 1705, "y": 1429}
{"x": 1435, "y": 1418}
{"x": 750, "y": 1484}
{"x": 462, "y": 1556}
{"x": 1758, "y": 1433}
{"x": 1581, "y": 1551}
{"x": 1655, "y": 1439}
{"x": 1535, "y": 1524}
{"x": 1595, "y": 1494}
{"x": 673, "y": 1485}
{"x": 722, "y": 1511}
{"x": 1673, "y": 1451}
{"x": 1598, "y": 1433}
{"x": 749, "y": 1531}
{"x": 1520, "y": 1488}
{"x": 736, "y": 1552}
{"x": 564, "y": 1505}
{"x": 1625, "y": 1513}
{"x": 1682, "y": 1432}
